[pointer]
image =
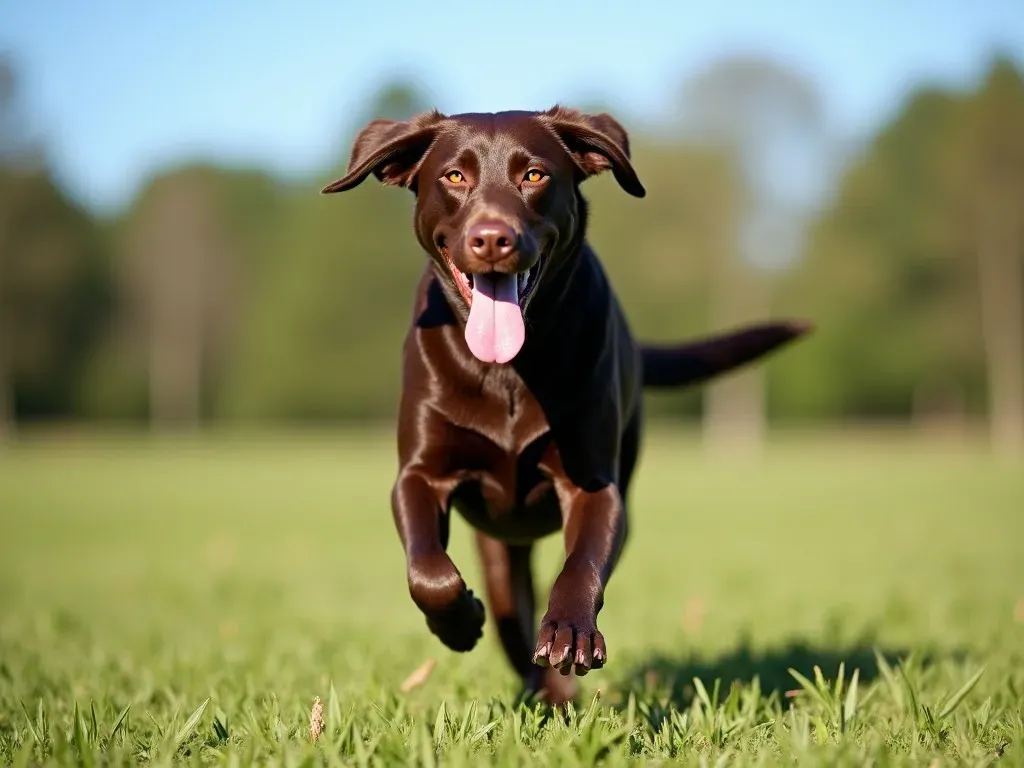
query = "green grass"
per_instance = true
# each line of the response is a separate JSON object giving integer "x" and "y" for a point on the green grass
{"x": 187, "y": 600}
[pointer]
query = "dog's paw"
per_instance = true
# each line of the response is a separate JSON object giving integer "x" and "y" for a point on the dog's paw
{"x": 548, "y": 686}
{"x": 569, "y": 644}
{"x": 461, "y": 624}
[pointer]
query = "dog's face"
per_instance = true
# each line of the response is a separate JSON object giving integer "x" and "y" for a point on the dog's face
{"x": 497, "y": 202}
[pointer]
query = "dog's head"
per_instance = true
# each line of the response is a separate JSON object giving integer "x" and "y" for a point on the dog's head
{"x": 498, "y": 206}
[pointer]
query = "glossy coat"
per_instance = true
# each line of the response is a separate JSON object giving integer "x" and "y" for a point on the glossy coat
{"x": 549, "y": 441}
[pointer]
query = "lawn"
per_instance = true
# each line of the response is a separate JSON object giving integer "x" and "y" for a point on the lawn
{"x": 180, "y": 599}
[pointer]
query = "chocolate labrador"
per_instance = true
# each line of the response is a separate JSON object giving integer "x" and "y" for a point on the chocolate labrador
{"x": 521, "y": 397}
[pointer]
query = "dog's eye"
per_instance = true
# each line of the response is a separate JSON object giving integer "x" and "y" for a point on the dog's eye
{"x": 454, "y": 177}
{"x": 534, "y": 176}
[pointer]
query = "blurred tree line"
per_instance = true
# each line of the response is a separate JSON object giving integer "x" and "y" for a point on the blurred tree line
{"x": 223, "y": 294}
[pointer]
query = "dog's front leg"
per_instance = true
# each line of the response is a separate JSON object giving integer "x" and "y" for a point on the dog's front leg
{"x": 453, "y": 613}
{"x": 595, "y": 528}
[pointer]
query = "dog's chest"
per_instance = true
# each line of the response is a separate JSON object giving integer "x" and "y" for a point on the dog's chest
{"x": 499, "y": 406}
{"x": 501, "y": 462}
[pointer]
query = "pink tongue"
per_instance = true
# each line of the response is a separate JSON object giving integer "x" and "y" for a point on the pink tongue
{"x": 494, "y": 331}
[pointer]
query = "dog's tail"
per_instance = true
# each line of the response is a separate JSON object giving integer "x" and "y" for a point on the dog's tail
{"x": 696, "y": 362}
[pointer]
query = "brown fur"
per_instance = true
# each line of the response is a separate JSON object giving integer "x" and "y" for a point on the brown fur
{"x": 549, "y": 441}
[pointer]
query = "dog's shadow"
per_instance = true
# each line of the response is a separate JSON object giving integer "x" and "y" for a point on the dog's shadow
{"x": 671, "y": 677}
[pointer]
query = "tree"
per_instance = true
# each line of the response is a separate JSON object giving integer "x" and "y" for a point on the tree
{"x": 992, "y": 181}
{"x": 322, "y": 326}
{"x": 771, "y": 122}
{"x": 53, "y": 296}
{"x": 181, "y": 283}
{"x": 916, "y": 267}
{"x": 885, "y": 276}
{"x": 12, "y": 156}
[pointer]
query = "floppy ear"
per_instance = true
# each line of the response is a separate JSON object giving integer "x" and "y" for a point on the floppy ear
{"x": 392, "y": 150}
{"x": 597, "y": 143}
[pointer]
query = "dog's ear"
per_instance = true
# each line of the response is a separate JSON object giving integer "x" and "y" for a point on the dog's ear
{"x": 391, "y": 150}
{"x": 597, "y": 143}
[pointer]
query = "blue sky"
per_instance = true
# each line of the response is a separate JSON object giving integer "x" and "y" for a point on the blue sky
{"x": 118, "y": 89}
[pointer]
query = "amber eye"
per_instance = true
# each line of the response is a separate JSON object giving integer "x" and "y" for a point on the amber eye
{"x": 534, "y": 176}
{"x": 454, "y": 177}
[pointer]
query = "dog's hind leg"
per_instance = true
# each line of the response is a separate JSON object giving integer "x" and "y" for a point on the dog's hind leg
{"x": 510, "y": 595}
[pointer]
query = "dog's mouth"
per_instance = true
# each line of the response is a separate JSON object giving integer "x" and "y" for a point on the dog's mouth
{"x": 495, "y": 331}
{"x": 526, "y": 282}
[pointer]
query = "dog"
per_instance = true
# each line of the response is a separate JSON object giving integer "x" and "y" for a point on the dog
{"x": 521, "y": 403}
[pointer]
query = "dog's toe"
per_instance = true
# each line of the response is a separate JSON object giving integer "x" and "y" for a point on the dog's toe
{"x": 570, "y": 646}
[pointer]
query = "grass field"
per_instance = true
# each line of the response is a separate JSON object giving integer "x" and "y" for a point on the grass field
{"x": 212, "y": 588}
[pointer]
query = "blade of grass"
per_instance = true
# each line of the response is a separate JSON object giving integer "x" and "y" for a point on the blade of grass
{"x": 28, "y": 721}
{"x": 333, "y": 710}
{"x": 588, "y": 716}
{"x": 483, "y": 732}
{"x": 702, "y": 693}
{"x": 811, "y": 688}
{"x": 440, "y": 723}
{"x": 189, "y": 726}
{"x": 631, "y": 713}
{"x": 960, "y": 695}
{"x": 153, "y": 720}
{"x": 908, "y": 687}
{"x": 119, "y": 722}
{"x": 890, "y": 678}
{"x": 468, "y": 721}
{"x": 850, "y": 705}
{"x": 819, "y": 679}
{"x": 79, "y": 737}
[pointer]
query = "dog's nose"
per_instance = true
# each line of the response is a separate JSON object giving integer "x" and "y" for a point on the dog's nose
{"x": 491, "y": 240}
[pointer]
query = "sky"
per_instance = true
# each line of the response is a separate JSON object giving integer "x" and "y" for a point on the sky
{"x": 119, "y": 90}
